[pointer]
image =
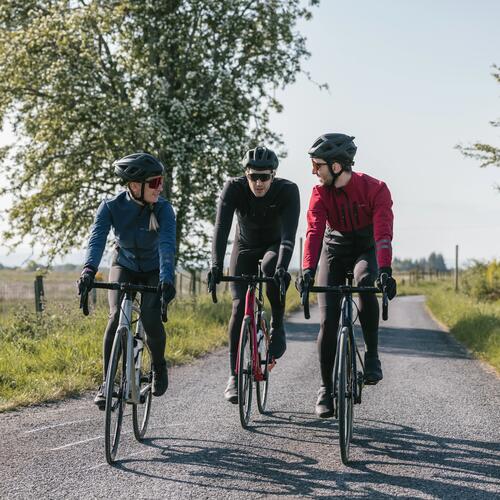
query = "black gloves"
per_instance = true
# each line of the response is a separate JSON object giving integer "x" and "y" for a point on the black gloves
{"x": 86, "y": 280}
{"x": 304, "y": 281}
{"x": 213, "y": 277}
{"x": 279, "y": 275}
{"x": 390, "y": 282}
{"x": 167, "y": 294}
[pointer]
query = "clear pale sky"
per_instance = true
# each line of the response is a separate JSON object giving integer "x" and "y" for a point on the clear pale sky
{"x": 409, "y": 80}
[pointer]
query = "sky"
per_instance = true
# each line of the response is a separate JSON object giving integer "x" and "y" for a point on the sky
{"x": 410, "y": 80}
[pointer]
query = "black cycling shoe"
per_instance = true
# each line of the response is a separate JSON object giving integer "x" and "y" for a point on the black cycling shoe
{"x": 160, "y": 379}
{"x": 231, "y": 392}
{"x": 373, "y": 369}
{"x": 100, "y": 398}
{"x": 324, "y": 404}
{"x": 278, "y": 342}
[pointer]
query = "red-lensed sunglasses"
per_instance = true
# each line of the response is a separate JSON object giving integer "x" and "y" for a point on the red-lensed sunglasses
{"x": 155, "y": 182}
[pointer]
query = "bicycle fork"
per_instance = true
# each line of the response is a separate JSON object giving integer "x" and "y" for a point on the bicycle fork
{"x": 125, "y": 329}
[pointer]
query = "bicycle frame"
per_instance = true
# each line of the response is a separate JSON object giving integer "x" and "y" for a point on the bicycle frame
{"x": 346, "y": 321}
{"x": 134, "y": 353}
{"x": 253, "y": 318}
{"x": 252, "y": 315}
{"x": 135, "y": 343}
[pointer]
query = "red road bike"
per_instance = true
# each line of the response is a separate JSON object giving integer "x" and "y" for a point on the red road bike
{"x": 254, "y": 363}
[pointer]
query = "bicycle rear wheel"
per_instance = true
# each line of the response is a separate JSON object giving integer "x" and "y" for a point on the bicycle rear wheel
{"x": 345, "y": 394}
{"x": 264, "y": 360}
{"x": 245, "y": 374}
{"x": 141, "y": 411}
{"x": 115, "y": 395}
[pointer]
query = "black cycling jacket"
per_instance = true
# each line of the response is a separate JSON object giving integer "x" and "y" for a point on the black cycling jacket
{"x": 261, "y": 221}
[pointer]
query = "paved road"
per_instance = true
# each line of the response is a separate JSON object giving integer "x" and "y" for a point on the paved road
{"x": 430, "y": 430}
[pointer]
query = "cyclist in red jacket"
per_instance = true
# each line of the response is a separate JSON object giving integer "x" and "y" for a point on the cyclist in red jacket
{"x": 349, "y": 223}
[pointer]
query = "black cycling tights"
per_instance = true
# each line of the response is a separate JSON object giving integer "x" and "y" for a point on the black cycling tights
{"x": 332, "y": 272}
{"x": 150, "y": 313}
{"x": 246, "y": 261}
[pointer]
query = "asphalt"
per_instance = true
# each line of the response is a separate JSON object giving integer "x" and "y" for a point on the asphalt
{"x": 430, "y": 429}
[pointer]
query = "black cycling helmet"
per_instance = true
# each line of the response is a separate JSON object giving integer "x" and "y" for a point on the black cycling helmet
{"x": 138, "y": 167}
{"x": 260, "y": 158}
{"x": 334, "y": 147}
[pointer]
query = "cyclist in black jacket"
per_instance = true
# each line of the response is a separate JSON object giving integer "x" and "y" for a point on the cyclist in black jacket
{"x": 268, "y": 212}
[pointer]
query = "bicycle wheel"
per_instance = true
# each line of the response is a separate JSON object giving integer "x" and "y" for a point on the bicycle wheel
{"x": 115, "y": 395}
{"x": 345, "y": 394}
{"x": 264, "y": 360}
{"x": 144, "y": 374}
{"x": 245, "y": 374}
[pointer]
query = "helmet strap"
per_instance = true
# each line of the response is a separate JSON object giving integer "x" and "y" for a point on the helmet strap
{"x": 138, "y": 199}
{"x": 334, "y": 175}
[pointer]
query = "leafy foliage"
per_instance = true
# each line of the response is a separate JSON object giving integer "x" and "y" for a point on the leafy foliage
{"x": 485, "y": 153}
{"x": 482, "y": 281}
{"x": 86, "y": 82}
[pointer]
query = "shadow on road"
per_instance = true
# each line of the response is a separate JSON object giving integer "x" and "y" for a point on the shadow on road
{"x": 405, "y": 341}
{"x": 387, "y": 457}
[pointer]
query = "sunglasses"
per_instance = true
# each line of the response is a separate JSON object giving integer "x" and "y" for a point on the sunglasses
{"x": 259, "y": 177}
{"x": 318, "y": 164}
{"x": 155, "y": 182}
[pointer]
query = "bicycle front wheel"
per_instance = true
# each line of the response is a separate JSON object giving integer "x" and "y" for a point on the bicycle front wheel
{"x": 115, "y": 395}
{"x": 345, "y": 394}
{"x": 262, "y": 386}
{"x": 245, "y": 374}
{"x": 141, "y": 411}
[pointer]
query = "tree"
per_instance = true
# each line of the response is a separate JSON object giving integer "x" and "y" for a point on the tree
{"x": 485, "y": 153}
{"x": 85, "y": 82}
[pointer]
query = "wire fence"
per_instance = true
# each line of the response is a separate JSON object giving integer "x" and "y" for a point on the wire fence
{"x": 39, "y": 291}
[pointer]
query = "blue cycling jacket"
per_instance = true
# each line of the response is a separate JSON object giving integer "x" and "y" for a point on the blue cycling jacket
{"x": 138, "y": 248}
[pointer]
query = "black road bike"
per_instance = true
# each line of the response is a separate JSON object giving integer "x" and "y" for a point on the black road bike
{"x": 348, "y": 378}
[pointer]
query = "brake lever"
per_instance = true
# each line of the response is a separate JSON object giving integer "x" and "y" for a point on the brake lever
{"x": 385, "y": 301}
{"x": 212, "y": 288}
{"x": 84, "y": 302}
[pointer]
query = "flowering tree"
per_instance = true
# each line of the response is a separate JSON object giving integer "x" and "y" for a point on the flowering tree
{"x": 85, "y": 82}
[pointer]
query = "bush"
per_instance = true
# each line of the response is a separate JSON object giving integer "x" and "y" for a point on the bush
{"x": 482, "y": 281}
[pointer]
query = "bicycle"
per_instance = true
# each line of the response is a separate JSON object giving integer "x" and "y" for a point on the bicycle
{"x": 253, "y": 363}
{"x": 348, "y": 382}
{"x": 129, "y": 376}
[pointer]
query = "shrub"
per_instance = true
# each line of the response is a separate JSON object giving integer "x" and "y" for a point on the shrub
{"x": 482, "y": 281}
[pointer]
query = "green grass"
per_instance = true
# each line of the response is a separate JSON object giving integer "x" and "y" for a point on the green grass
{"x": 59, "y": 353}
{"x": 474, "y": 323}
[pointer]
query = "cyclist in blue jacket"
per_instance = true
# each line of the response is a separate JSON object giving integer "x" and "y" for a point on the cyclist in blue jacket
{"x": 144, "y": 226}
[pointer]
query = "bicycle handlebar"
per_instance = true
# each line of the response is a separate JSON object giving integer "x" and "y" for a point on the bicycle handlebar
{"x": 124, "y": 287}
{"x": 343, "y": 289}
{"x": 245, "y": 278}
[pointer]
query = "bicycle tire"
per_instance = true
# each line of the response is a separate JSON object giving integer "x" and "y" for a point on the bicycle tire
{"x": 262, "y": 387}
{"x": 115, "y": 398}
{"x": 245, "y": 374}
{"x": 142, "y": 410}
{"x": 345, "y": 394}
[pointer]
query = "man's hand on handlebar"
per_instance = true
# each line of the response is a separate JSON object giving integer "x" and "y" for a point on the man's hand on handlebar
{"x": 385, "y": 282}
{"x": 282, "y": 280}
{"x": 305, "y": 281}
{"x": 213, "y": 278}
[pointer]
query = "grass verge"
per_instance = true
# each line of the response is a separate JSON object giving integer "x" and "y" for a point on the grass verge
{"x": 58, "y": 354}
{"x": 476, "y": 324}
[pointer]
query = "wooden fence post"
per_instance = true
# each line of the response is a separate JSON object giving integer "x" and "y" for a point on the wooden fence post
{"x": 39, "y": 294}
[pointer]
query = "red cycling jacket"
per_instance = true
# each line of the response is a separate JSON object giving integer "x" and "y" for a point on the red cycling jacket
{"x": 350, "y": 220}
